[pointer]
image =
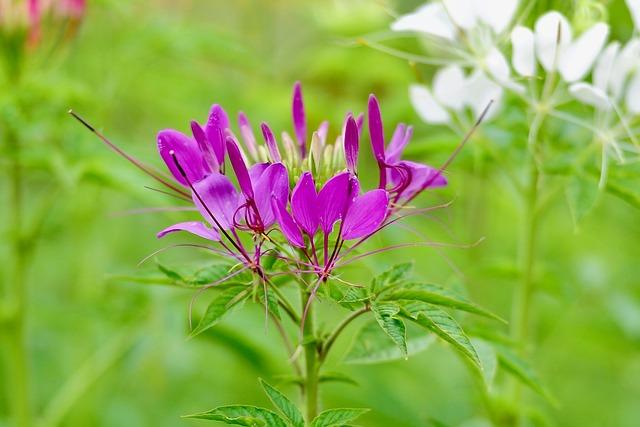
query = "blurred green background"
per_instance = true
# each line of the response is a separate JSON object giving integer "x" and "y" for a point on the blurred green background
{"x": 118, "y": 350}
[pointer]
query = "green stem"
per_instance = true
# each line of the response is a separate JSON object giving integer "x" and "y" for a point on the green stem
{"x": 338, "y": 330}
{"x": 311, "y": 360}
{"x": 17, "y": 354}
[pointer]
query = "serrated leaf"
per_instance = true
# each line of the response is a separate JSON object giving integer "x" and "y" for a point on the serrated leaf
{"x": 520, "y": 369}
{"x": 582, "y": 195}
{"x": 445, "y": 326}
{"x": 280, "y": 401}
{"x": 243, "y": 415}
{"x": 337, "y": 417}
{"x": 372, "y": 345}
{"x": 220, "y": 305}
{"x": 354, "y": 297}
{"x": 392, "y": 277}
{"x": 386, "y": 316}
{"x": 438, "y": 295}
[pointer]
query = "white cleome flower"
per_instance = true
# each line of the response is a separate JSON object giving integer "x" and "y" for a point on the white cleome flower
{"x": 634, "y": 9}
{"x": 616, "y": 79}
{"x": 551, "y": 44}
{"x": 453, "y": 94}
{"x": 468, "y": 30}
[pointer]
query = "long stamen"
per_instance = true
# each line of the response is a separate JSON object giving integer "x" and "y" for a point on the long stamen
{"x": 146, "y": 169}
{"x": 222, "y": 230}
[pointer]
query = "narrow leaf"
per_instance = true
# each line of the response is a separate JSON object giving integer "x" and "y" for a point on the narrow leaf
{"x": 337, "y": 377}
{"x": 392, "y": 277}
{"x": 243, "y": 415}
{"x": 386, "y": 316}
{"x": 445, "y": 326}
{"x": 337, "y": 417}
{"x": 438, "y": 295}
{"x": 220, "y": 305}
{"x": 280, "y": 401}
{"x": 520, "y": 369}
{"x": 372, "y": 345}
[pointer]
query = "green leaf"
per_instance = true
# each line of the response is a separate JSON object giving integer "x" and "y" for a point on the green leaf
{"x": 392, "y": 277}
{"x": 220, "y": 305}
{"x": 386, "y": 316}
{"x": 272, "y": 301}
{"x": 372, "y": 345}
{"x": 337, "y": 417}
{"x": 445, "y": 326}
{"x": 170, "y": 273}
{"x": 438, "y": 295}
{"x": 280, "y": 401}
{"x": 488, "y": 360}
{"x": 520, "y": 369}
{"x": 338, "y": 377}
{"x": 242, "y": 415}
{"x": 582, "y": 195}
{"x": 215, "y": 272}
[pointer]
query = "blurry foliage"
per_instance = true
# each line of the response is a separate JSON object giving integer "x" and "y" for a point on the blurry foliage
{"x": 118, "y": 350}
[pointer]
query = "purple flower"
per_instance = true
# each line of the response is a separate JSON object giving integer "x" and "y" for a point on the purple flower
{"x": 408, "y": 178}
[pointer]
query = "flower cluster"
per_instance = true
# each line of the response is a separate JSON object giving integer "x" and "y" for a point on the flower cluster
{"x": 23, "y": 20}
{"x": 306, "y": 188}
{"x": 547, "y": 68}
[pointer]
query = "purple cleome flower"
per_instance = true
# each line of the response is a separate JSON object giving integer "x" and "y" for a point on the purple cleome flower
{"x": 321, "y": 211}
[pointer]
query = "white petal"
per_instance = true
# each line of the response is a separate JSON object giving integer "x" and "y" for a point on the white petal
{"x": 430, "y": 19}
{"x": 426, "y": 106}
{"x": 604, "y": 66}
{"x": 448, "y": 87}
{"x": 479, "y": 91}
{"x": 634, "y": 9}
{"x": 590, "y": 95}
{"x": 497, "y": 65}
{"x": 546, "y": 37}
{"x": 523, "y": 57}
{"x": 578, "y": 58}
{"x": 496, "y": 13}
{"x": 461, "y": 12}
{"x": 633, "y": 94}
{"x": 626, "y": 61}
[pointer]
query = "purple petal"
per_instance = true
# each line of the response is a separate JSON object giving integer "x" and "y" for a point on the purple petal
{"x": 217, "y": 123}
{"x": 351, "y": 144}
{"x": 271, "y": 143}
{"x": 240, "y": 169}
{"x": 299, "y": 119}
{"x": 193, "y": 227}
{"x": 247, "y": 134}
{"x": 304, "y": 204}
{"x": 273, "y": 184}
{"x": 205, "y": 148}
{"x": 187, "y": 153}
{"x": 400, "y": 139}
{"x": 411, "y": 178}
{"x": 376, "y": 130}
{"x": 376, "y": 133}
{"x": 256, "y": 171}
{"x": 287, "y": 225}
{"x": 360, "y": 122}
{"x": 219, "y": 198}
{"x": 365, "y": 215}
{"x": 333, "y": 200}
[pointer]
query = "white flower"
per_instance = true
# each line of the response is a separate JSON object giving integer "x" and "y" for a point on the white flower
{"x": 453, "y": 93}
{"x": 616, "y": 70}
{"x": 552, "y": 44}
{"x": 468, "y": 30}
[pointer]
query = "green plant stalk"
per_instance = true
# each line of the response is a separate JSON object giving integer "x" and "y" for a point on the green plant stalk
{"x": 311, "y": 381}
{"x": 17, "y": 355}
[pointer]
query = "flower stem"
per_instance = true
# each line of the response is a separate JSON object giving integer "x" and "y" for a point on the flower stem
{"x": 15, "y": 322}
{"x": 311, "y": 360}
